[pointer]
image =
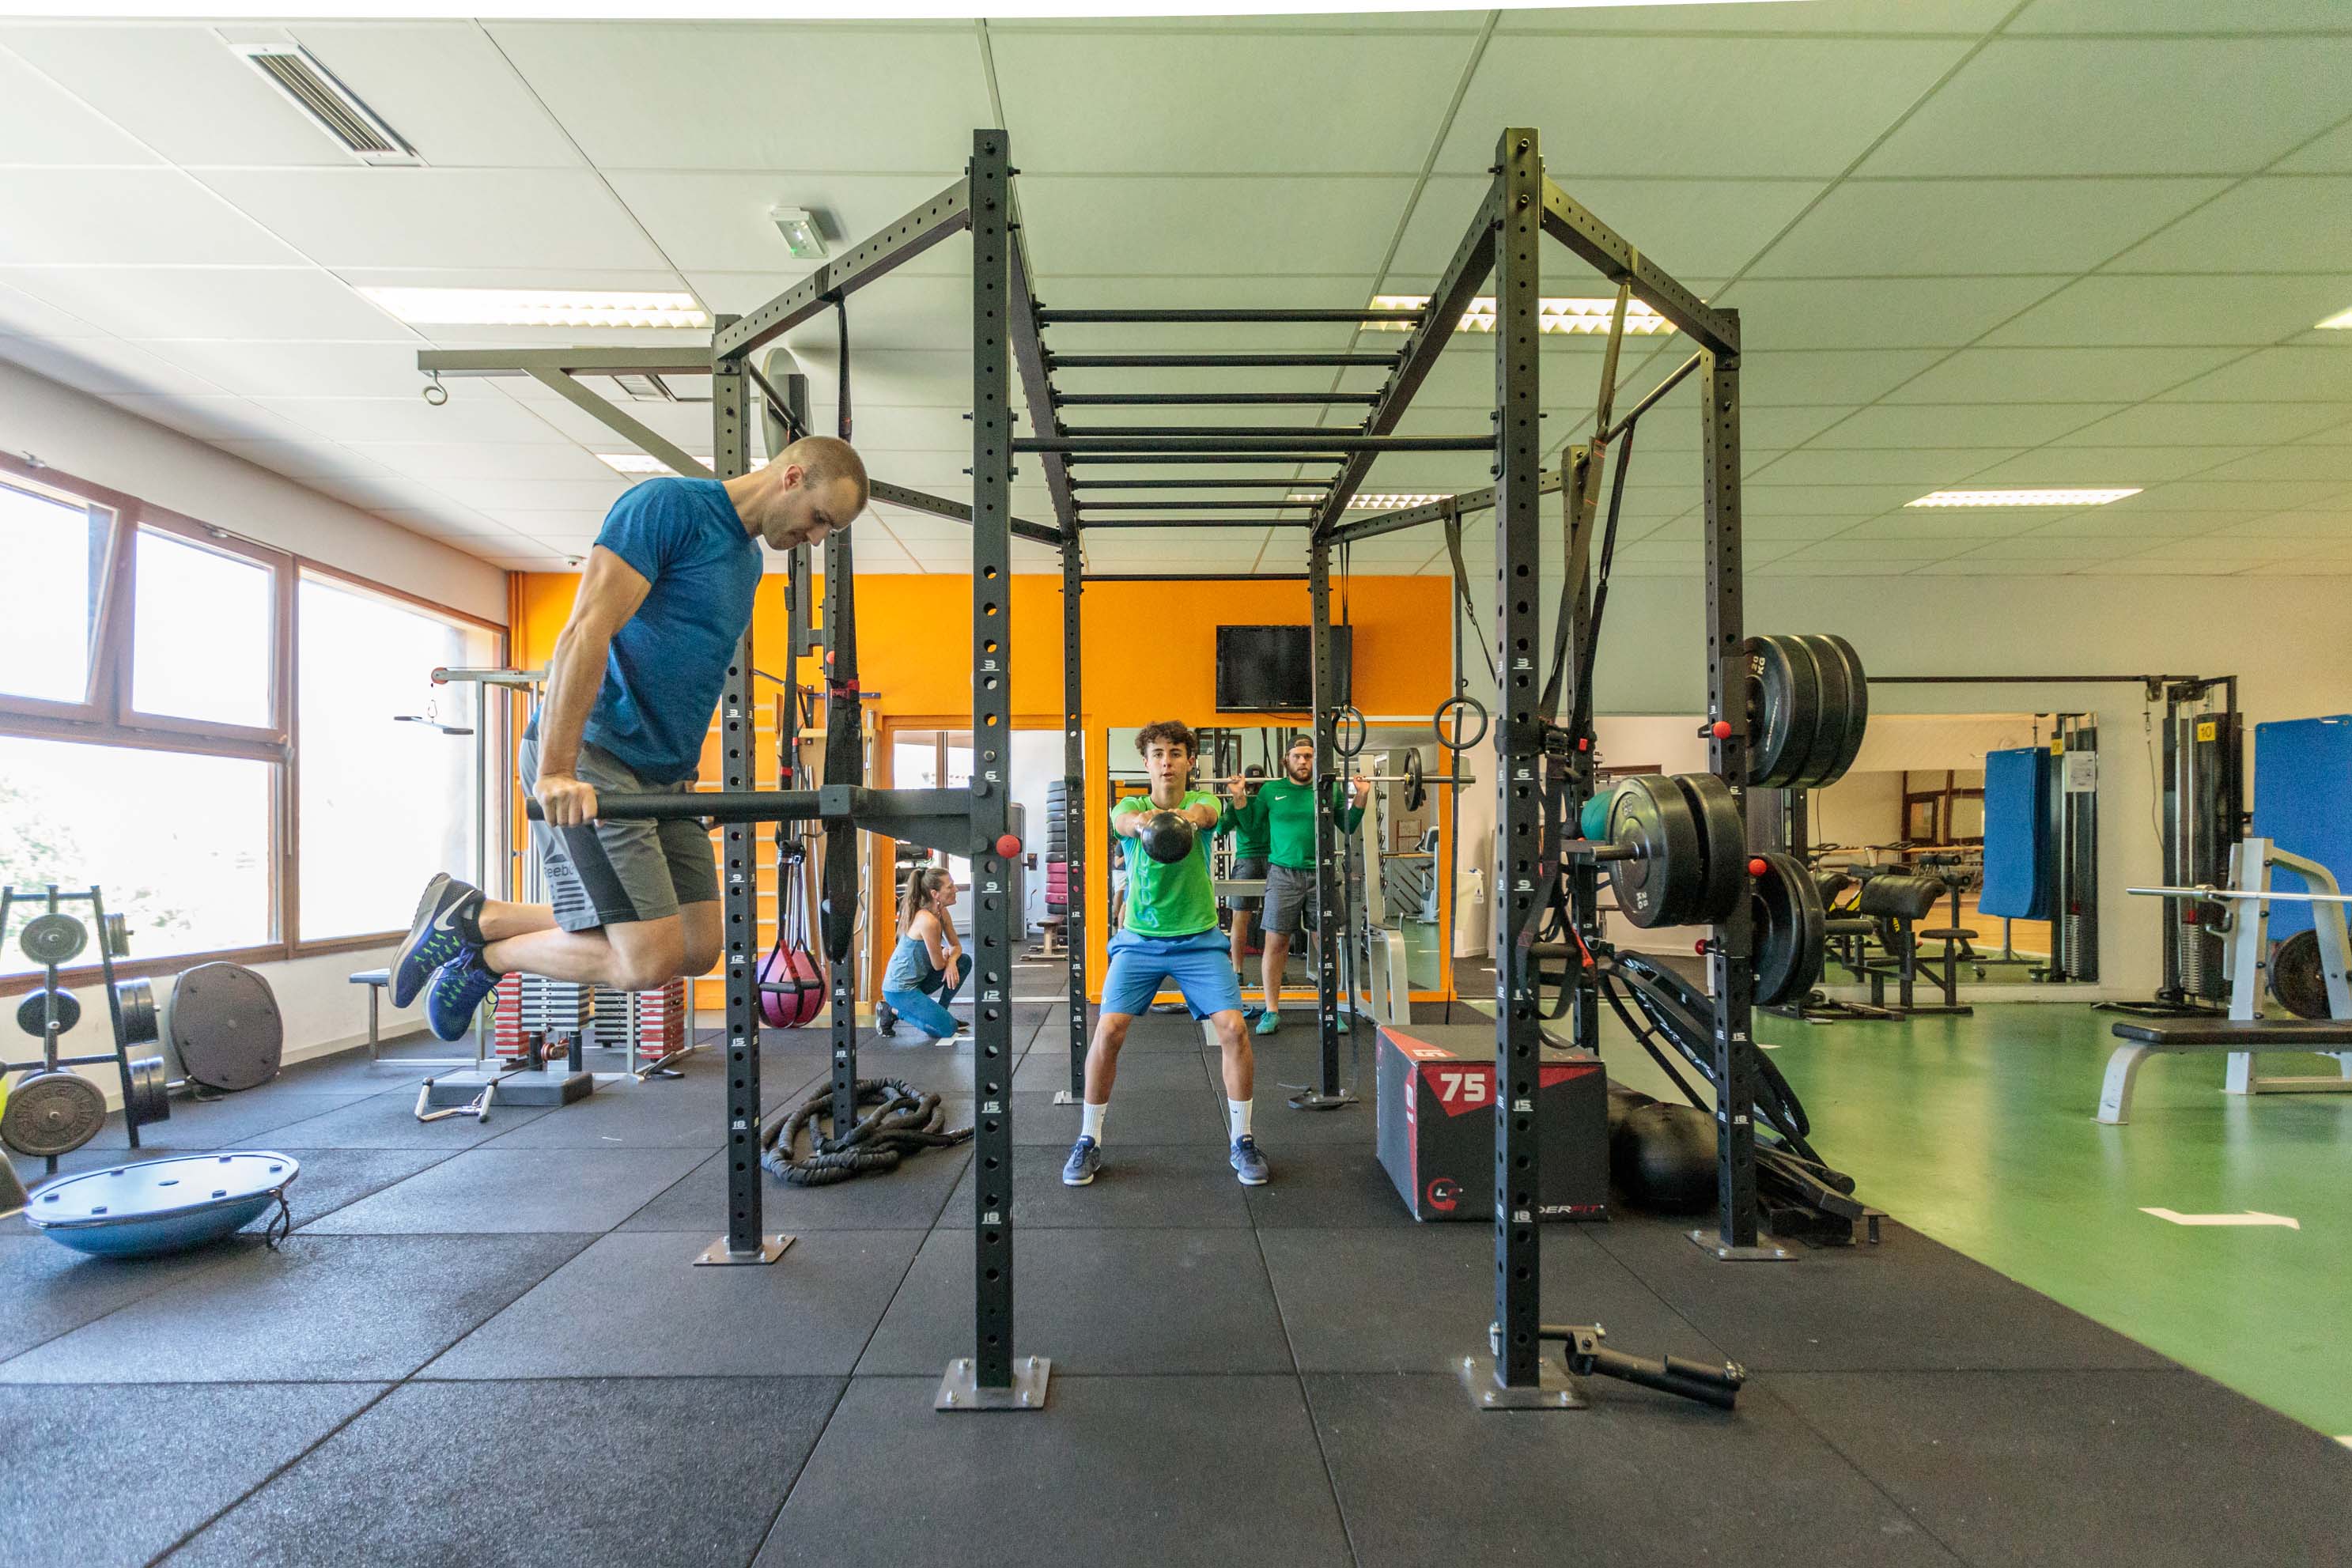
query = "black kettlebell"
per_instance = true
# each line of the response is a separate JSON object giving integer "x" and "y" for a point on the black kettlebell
{"x": 1167, "y": 837}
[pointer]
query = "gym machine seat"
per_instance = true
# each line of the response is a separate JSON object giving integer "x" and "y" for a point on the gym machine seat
{"x": 2145, "y": 1037}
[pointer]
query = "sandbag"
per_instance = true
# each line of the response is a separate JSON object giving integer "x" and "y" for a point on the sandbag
{"x": 1662, "y": 1157}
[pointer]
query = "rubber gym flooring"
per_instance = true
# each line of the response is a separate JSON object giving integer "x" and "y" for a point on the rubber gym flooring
{"x": 485, "y": 1345}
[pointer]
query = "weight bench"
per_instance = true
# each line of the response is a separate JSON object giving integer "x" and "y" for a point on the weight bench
{"x": 2143, "y": 1038}
{"x": 375, "y": 980}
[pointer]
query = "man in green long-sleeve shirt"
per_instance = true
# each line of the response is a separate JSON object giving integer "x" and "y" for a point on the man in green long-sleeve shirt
{"x": 1283, "y": 810}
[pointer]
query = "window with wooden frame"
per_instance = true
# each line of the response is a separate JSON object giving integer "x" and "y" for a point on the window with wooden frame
{"x": 149, "y": 731}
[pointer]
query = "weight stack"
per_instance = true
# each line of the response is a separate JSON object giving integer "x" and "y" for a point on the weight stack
{"x": 1057, "y": 884}
{"x": 660, "y": 1019}
{"x": 550, "y": 1007}
{"x": 613, "y": 1022}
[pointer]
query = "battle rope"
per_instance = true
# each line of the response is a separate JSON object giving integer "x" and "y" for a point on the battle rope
{"x": 902, "y": 1123}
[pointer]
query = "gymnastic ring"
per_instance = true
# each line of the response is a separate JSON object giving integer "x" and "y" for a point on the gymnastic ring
{"x": 1340, "y": 717}
{"x": 1437, "y": 722}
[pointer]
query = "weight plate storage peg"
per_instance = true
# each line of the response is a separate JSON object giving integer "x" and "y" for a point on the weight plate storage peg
{"x": 118, "y": 935}
{"x": 151, "y": 1097}
{"x": 1723, "y": 843}
{"x": 52, "y": 939}
{"x": 2296, "y": 977}
{"x": 33, "y": 1012}
{"x": 1791, "y": 932}
{"x": 1662, "y": 878}
{"x": 137, "y": 1000}
{"x": 51, "y": 1113}
{"x": 1784, "y": 702}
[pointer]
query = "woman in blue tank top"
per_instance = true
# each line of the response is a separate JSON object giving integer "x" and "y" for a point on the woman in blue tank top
{"x": 916, "y": 986}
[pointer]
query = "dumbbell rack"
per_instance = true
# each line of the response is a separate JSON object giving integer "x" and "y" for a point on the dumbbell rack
{"x": 112, "y": 940}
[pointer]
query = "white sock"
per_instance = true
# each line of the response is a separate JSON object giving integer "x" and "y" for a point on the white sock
{"x": 1237, "y": 1113}
{"x": 1091, "y": 1119}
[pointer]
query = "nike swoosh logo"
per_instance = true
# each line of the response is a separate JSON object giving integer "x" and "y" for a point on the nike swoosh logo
{"x": 443, "y": 920}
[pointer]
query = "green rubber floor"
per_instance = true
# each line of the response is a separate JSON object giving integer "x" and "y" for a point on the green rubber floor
{"x": 1981, "y": 1132}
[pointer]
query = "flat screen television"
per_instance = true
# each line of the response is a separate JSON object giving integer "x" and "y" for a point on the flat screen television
{"x": 1270, "y": 669}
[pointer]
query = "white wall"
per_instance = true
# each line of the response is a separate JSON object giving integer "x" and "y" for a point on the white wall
{"x": 91, "y": 440}
{"x": 2282, "y": 636}
{"x": 79, "y": 435}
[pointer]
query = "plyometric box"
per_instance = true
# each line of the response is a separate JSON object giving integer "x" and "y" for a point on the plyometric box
{"x": 1436, "y": 1089}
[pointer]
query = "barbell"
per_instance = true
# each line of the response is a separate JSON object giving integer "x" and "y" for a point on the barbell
{"x": 1415, "y": 780}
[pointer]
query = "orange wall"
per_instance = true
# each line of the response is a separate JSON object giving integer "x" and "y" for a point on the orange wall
{"x": 1149, "y": 652}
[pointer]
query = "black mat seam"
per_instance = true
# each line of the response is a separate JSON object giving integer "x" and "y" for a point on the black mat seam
{"x": 1305, "y": 1399}
{"x": 1857, "y": 1466}
{"x": 239, "y": 1501}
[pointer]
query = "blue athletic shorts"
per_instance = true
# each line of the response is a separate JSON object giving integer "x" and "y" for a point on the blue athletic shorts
{"x": 1202, "y": 965}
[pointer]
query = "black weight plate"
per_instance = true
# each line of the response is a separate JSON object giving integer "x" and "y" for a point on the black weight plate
{"x": 2296, "y": 977}
{"x": 1846, "y": 709}
{"x": 151, "y": 1097}
{"x": 52, "y": 1113}
{"x": 137, "y": 999}
{"x": 1790, "y": 932}
{"x": 118, "y": 936}
{"x": 1784, "y": 696}
{"x": 1723, "y": 843}
{"x": 1664, "y": 883}
{"x": 52, "y": 939}
{"x": 225, "y": 1027}
{"x": 1416, "y": 791}
{"x": 33, "y": 1012}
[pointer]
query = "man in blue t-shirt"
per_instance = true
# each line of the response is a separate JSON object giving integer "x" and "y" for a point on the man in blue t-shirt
{"x": 634, "y": 678}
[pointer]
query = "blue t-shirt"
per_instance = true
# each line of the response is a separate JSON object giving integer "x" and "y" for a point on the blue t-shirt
{"x": 668, "y": 664}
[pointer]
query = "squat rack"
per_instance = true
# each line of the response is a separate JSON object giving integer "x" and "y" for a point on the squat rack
{"x": 1533, "y": 751}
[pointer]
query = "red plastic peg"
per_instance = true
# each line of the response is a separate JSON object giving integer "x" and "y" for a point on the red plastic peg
{"x": 1722, "y": 729}
{"x": 1757, "y": 868}
{"x": 1583, "y": 743}
{"x": 1009, "y": 845}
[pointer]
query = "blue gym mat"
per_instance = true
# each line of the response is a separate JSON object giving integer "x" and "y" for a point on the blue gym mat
{"x": 2017, "y": 834}
{"x": 2303, "y": 802}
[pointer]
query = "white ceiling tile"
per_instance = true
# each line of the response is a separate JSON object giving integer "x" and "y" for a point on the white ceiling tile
{"x": 2104, "y": 467}
{"x": 1189, "y": 100}
{"x": 687, "y": 424}
{"x": 1926, "y": 467}
{"x": 438, "y": 462}
{"x": 1826, "y": 376}
{"x": 553, "y": 218}
{"x": 1694, "y": 229}
{"x": 1766, "y": 526}
{"x": 217, "y": 417}
{"x": 1823, "y": 500}
{"x": 2288, "y": 223}
{"x": 483, "y": 418}
{"x": 509, "y": 497}
{"x": 306, "y": 460}
{"x": 2240, "y": 547}
{"x": 2247, "y": 312}
{"x": 128, "y": 216}
{"x": 1960, "y": 17}
{"x": 2240, "y": 495}
{"x": 2012, "y": 424}
{"x": 2178, "y": 16}
{"x": 1969, "y": 529}
{"x": 41, "y": 122}
{"x": 2169, "y": 106}
{"x": 106, "y": 366}
{"x": 901, "y": 312}
{"x": 1877, "y": 313}
{"x": 2208, "y": 423}
{"x": 1848, "y": 546}
{"x": 2117, "y": 522}
{"x": 22, "y": 315}
{"x": 2328, "y": 155}
{"x": 2322, "y": 373}
{"x": 1204, "y": 224}
{"x": 1867, "y": 228}
{"x": 2331, "y": 464}
{"x": 1598, "y": 98}
{"x": 299, "y": 369}
{"x": 2047, "y": 546}
{"x": 2333, "y": 527}
{"x": 150, "y": 80}
{"x": 2068, "y": 375}
{"x": 251, "y": 303}
{"x": 1992, "y": 566}
{"x": 707, "y": 221}
{"x": 800, "y": 96}
{"x": 1778, "y": 428}
{"x": 445, "y": 87}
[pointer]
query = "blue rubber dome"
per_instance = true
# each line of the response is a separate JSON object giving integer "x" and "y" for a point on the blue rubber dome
{"x": 156, "y": 1206}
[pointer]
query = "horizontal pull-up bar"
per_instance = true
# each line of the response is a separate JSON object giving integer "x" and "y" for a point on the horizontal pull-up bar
{"x": 1205, "y": 399}
{"x": 1271, "y": 432}
{"x": 1650, "y": 397}
{"x": 1202, "y": 485}
{"x": 1254, "y": 446}
{"x": 1304, "y": 358}
{"x": 1080, "y": 317}
{"x": 1192, "y": 506}
{"x": 1124, "y": 455}
{"x": 1096, "y": 526}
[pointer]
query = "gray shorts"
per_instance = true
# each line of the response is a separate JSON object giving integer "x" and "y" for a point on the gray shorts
{"x": 613, "y": 872}
{"x": 1289, "y": 900}
{"x": 1246, "y": 868}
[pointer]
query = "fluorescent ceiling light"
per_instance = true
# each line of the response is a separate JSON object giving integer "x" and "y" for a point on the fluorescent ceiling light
{"x": 2023, "y": 497}
{"x": 537, "y": 308}
{"x": 637, "y": 463}
{"x": 1381, "y": 500}
{"x": 2341, "y": 322}
{"x": 798, "y": 225}
{"x": 1552, "y": 315}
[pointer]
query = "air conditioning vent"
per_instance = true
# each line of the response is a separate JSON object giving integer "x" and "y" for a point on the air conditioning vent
{"x": 336, "y": 109}
{"x": 645, "y": 388}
